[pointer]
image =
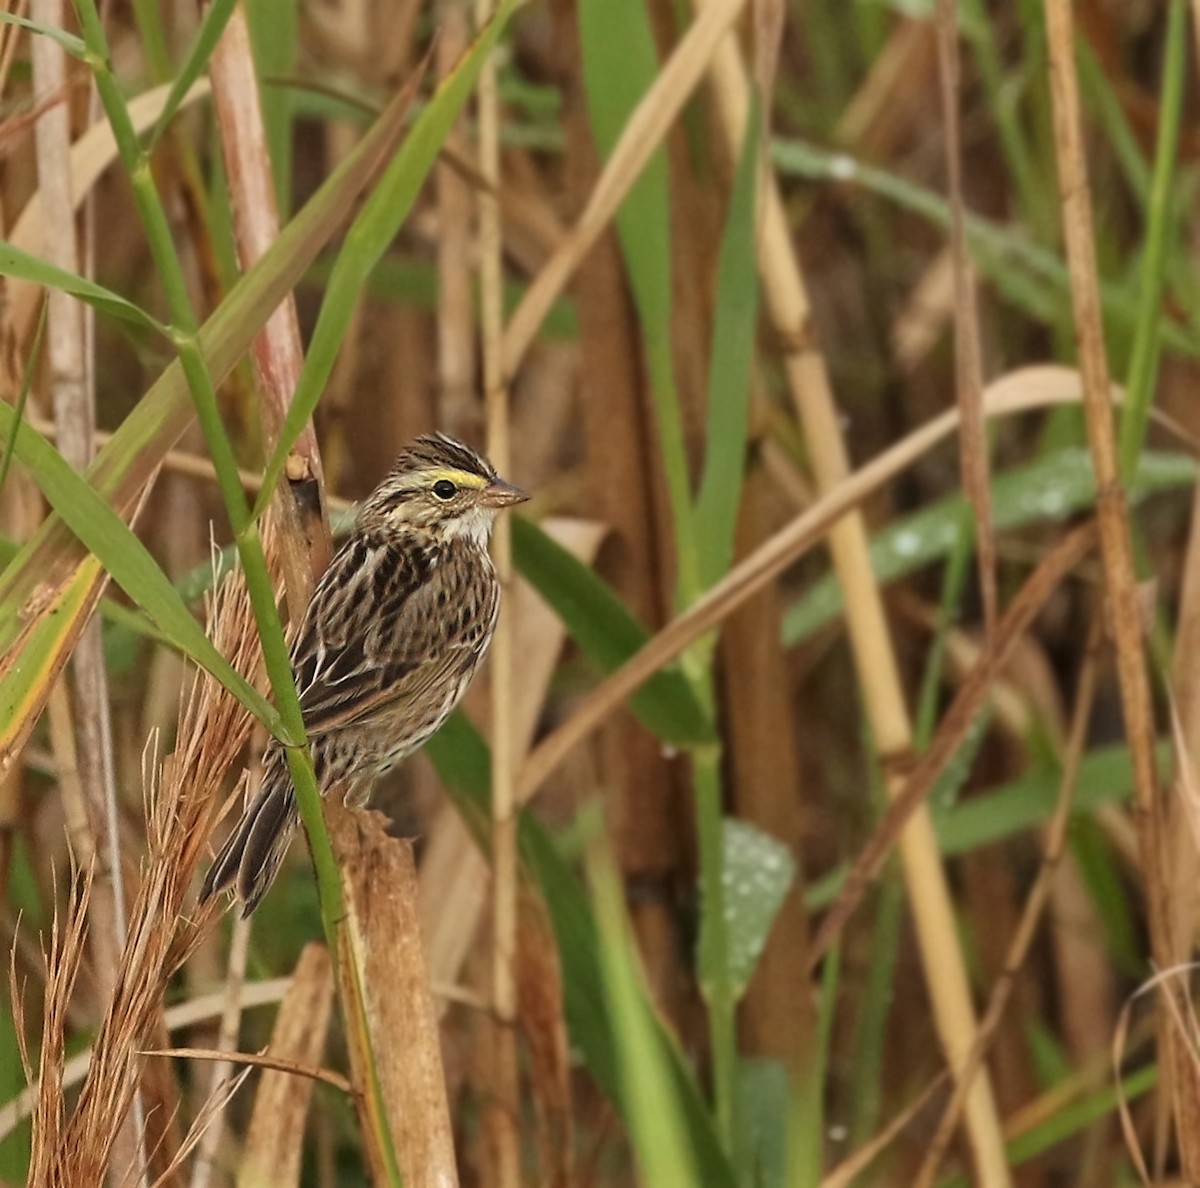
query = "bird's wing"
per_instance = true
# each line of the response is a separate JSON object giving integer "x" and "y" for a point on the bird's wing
{"x": 379, "y": 633}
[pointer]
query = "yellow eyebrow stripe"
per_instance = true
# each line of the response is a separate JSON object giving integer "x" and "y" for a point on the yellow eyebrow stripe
{"x": 460, "y": 478}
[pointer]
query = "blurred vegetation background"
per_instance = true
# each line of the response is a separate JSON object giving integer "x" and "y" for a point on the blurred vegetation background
{"x": 799, "y": 322}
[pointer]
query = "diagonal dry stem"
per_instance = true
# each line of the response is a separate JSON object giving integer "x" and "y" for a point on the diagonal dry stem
{"x": 1039, "y": 896}
{"x": 973, "y": 446}
{"x": 1183, "y": 1079}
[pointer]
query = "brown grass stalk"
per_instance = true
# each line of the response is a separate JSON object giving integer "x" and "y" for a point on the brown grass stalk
{"x": 968, "y": 358}
{"x": 275, "y": 1138}
{"x": 456, "y": 343}
{"x": 303, "y": 538}
{"x": 381, "y": 948}
{"x": 182, "y": 798}
{"x": 955, "y": 723}
{"x": 1183, "y": 1078}
{"x": 503, "y": 1109}
{"x": 73, "y": 399}
{"x": 1035, "y": 904}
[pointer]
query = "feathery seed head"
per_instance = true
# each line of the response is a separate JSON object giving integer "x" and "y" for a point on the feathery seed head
{"x": 442, "y": 488}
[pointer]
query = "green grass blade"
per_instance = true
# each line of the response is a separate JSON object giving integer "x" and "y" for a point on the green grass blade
{"x": 654, "y": 1115}
{"x": 72, "y": 44}
{"x": 620, "y": 64}
{"x": 35, "y": 354}
{"x": 211, "y": 27}
{"x": 1054, "y": 487}
{"x": 129, "y": 562}
{"x": 20, "y": 264}
{"x": 729, "y": 370}
{"x": 373, "y": 230}
{"x": 608, "y": 633}
{"x": 1143, "y": 365}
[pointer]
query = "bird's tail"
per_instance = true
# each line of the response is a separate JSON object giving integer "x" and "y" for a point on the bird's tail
{"x": 250, "y": 858}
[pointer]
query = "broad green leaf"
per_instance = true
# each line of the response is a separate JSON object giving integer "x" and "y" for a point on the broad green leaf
{"x": 608, "y": 633}
{"x": 370, "y": 235}
{"x": 758, "y": 872}
{"x": 205, "y": 41}
{"x": 20, "y": 264}
{"x": 729, "y": 371}
{"x": 127, "y": 559}
{"x": 620, "y": 63}
{"x": 1052, "y": 488}
{"x": 762, "y": 1130}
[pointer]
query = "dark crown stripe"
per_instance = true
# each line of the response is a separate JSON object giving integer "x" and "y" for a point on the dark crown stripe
{"x": 439, "y": 450}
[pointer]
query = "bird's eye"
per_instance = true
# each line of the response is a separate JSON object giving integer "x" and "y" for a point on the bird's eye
{"x": 445, "y": 489}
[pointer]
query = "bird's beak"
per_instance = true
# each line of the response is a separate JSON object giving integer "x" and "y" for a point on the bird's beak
{"x": 501, "y": 494}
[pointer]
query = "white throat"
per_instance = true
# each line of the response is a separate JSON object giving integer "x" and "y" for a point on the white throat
{"x": 475, "y": 525}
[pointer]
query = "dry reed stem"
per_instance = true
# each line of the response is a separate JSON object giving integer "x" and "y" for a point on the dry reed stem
{"x": 1022, "y": 390}
{"x": 641, "y": 136}
{"x": 854, "y": 1165}
{"x": 456, "y": 341}
{"x": 973, "y": 446}
{"x": 67, "y": 942}
{"x": 227, "y": 1036}
{"x": 303, "y": 536}
{"x": 788, "y": 304}
{"x": 957, "y": 720}
{"x": 1035, "y": 904}
{"x": 1182, "y": 1080}
{"x": 380, "y": 949}
{"x": 275, "y": 1139}
{"x": 279, "y": 1064}
{"x": 91, "y": 155}
{"x": 502, "y": 1111}
{"x": 74, "y": 417}
{"x": 176, "y": 1018}
{"x": 181, "y": 803}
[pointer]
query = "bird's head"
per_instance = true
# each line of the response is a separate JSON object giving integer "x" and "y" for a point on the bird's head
{"x": 442, "y": 488}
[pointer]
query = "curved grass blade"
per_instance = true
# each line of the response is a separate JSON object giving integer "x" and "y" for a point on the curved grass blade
{"x": 20, "y": 264}
{"x": 608, "y": 633}
{"x": 729, "y": 369}
{"x": 69, "y": 42}
{"x": 128, "y": 560}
